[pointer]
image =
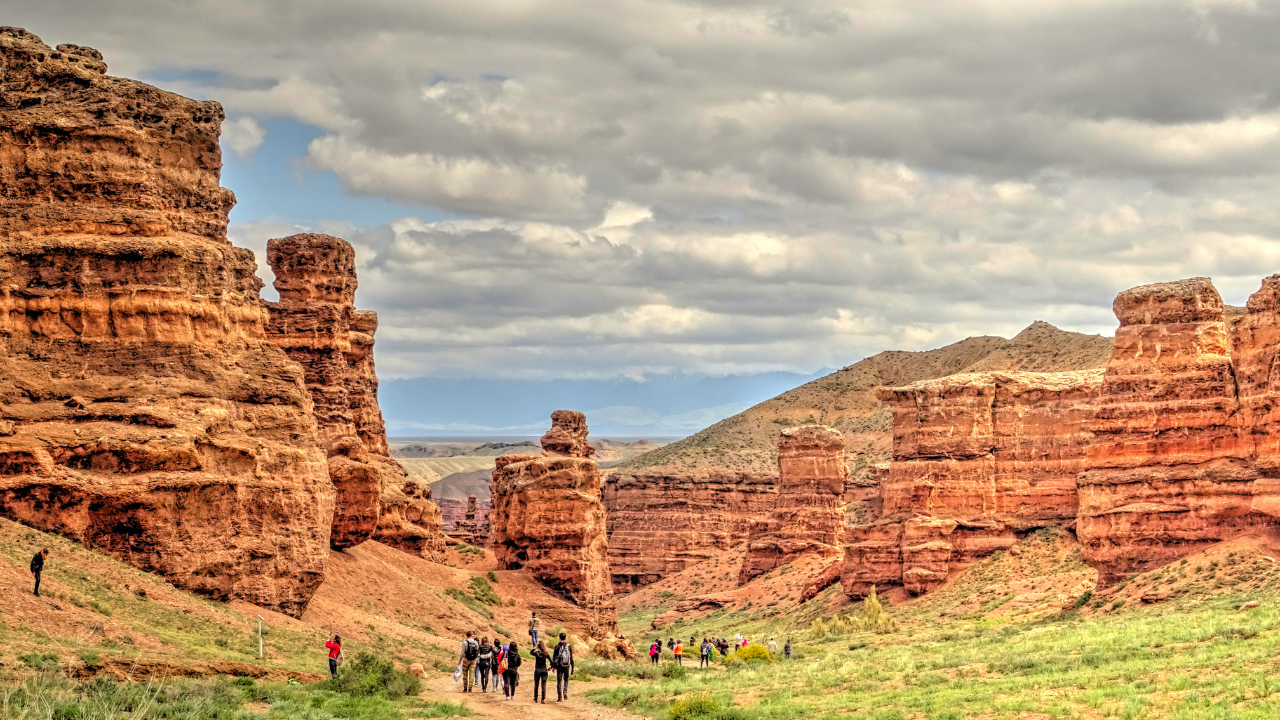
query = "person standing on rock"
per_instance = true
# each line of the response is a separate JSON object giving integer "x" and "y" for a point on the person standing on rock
{"x": 562, "y": 661}
{"x": 484, "y": 664}
{"x": 541, "y": 668}
{"x": 37, "y": 567}
{"x": 535, "y": 626}
{"x": 511, "y": 676}
{"x": 467, "y": 659}
{"x": 335, "y": 650}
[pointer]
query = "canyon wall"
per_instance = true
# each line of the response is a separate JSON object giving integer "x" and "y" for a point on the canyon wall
{"x": 808, "y": 516}
{"x": 317, "y": 325}
{"x": 143, "y": 412}
{"x": 977, "y": 459}
{"x": 547, "y": 517}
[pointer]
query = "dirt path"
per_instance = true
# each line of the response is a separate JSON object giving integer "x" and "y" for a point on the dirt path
{"x": 491, "y": 705}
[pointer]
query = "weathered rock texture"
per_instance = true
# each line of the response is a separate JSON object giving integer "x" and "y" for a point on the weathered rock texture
{"x": 316, "y": 323}
{"x": 694, "y": 499}
{"x": 808, "y": 516}
{"x": 547, "y": 517}
{"x": 142, "y": 410}
{"x": 978, "y": 459}
{"x": 1171, "y": 467}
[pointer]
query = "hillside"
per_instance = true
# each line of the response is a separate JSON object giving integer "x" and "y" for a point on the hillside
{"x": 745, "y": 444}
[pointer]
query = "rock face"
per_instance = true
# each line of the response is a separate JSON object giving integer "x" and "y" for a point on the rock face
{"x": 1171, "y": 465}
{"x": 317, "y": 325}
{"x": 547, "y": 517}
{"x": 977, "y": 459}
{"x": 142, "y": 410}
{"x": 808, "y": 516}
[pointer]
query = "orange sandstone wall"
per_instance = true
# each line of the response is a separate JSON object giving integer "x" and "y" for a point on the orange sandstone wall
{"x": 142, "y": 410}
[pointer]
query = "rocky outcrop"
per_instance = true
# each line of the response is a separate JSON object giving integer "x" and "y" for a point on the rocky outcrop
{"x": 1171, "y": 464}
{"x": 316, "y": 323}
{"x": 808, "y": 515}
{"x": 547, "y": 518}
{"x": 142, "y": 410}
{"x": 978, "y": 459}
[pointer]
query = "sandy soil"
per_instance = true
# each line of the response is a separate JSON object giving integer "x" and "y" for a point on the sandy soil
{"x": 491, "y": 705}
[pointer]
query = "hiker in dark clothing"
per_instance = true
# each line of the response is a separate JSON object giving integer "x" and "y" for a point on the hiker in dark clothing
{"x": 541, "y": 667}
{"x": 511, "y": 678}
{"x": 786, "y": 649}
{"x": 671, "y": 644}
{"x": 37, "y": 567}
{"x": 467, "y": 660}
{"x": 562, "y": 661}
{"x": 335, "y": 650}
{"x": 485, "y": 664}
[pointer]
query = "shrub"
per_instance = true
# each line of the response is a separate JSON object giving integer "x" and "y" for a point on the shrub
{"x": 750, "y": 652}
{"x": 693, "y": 707}
{"x": 100, "y": 607}
{"x": 1082, "y": 600}
{"x": 672, "y": 671}
{"x": 41, "y": 661}
{"x": 483, "y": 591}
{"x": 90, "y": 658}
{"x": 370, "y": 675}
{"x": 469, "y": 601}
{"x": 492, "y": 578}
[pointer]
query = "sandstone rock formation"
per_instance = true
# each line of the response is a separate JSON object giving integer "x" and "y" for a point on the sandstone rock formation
{"x": 696, "y": 498}
{"x": 808, "y": 516}
{"x": 978, "y": 459}
{"x": 317, "y": 325}
{"x": 142, "y": 410}
{"x": 1171, "y": 465}
{"x": 547, "y": 517}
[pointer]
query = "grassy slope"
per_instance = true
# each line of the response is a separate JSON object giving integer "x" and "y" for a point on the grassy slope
{"x": 1006, "y": 639}
{"x": 745, "y": 444}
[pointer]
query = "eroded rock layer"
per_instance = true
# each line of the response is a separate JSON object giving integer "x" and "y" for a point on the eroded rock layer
{"x": 808, "y": 516}
{"x": 978, "y": 459}
{"x": 316, "y": 323}
{"x": 142, "y": 410}
{"x": 547, "y": 517}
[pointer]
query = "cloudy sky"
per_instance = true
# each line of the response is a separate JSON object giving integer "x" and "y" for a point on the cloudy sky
{"x": 600, "y": 189}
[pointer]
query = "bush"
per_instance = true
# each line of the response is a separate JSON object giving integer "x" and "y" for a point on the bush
{"x": 750, "y": 652}
{"x": 1082, "y": 600}
{"x": 90, "y": 658}
{"x": 693, "y": 707}
{"x": 492, "y": 578}
{"x": 672, "y": 671}
{"x": 483, "y": 591}
{"x": 370, "y": 675}
{"x": 469, "y": 601}
{"x": 41, "y": 661}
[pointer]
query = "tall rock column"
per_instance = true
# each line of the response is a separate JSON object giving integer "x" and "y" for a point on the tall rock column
{"x": 317, "y": 324}
{"x": 809, "y": 515}
{"x": 1168, "y": 472}
{"x": 547, "y": 518}
{"x": 142, "y": 411}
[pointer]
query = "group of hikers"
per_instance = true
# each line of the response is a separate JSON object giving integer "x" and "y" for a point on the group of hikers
{"x": 708, "y": 648}
{"x": 481, "y": 658}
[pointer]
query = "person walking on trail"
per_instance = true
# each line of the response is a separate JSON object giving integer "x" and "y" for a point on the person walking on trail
{"x": 335, "y": 651}
{"x": 511, "y": 673}
{"x": 467, "y": 659}
{"x": 499, "y": 664}
{"x": 541, "y": 668}
{"x": 484, "y": 664}
{"x": 772, "y": 647}
{"x": 535, "y": 626}
{"x": 37, "y": 567}
{"x": 654, "y": 651}
{"x": 671, "y": 644}
{"x": 705, "y": 661}
{"x": 679, "y": 652}
{"x": 786, "y": 649}
{"x": 562, "y": 661}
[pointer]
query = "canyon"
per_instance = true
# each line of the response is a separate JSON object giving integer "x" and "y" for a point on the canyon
{"x": 548, "y": 518}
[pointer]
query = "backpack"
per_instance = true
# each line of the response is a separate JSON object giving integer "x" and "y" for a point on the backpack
{"x": 564, "y": 656}
{"x": 472, "y": 650}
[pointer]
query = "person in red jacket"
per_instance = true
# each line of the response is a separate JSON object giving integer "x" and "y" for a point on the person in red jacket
{"x": 335, "y": 651}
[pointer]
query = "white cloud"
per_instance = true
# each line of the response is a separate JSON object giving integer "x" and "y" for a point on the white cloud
{"x": 244, "y": 136}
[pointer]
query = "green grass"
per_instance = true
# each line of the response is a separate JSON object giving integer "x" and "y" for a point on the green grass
{"x": 469, "y": 601}
{"x": 481, "y": 590}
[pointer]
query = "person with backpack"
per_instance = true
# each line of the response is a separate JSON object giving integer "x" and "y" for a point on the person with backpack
{"x": 562, "y": 661}
{"x": 37, "y": 567}
{"x": 535, "y": 626}
{"x": 705, "y": 660}
{"x": 334, "y": 647}
{"x": 541, "y": 668}
{"x": 470, "y": 652}
{"x": 484, "y": 664}
{"x": 655, "y": 650}
{"x": 511, "y": 671}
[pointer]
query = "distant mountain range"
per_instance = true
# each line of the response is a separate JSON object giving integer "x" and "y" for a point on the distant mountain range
{"x": 662, "y": 406}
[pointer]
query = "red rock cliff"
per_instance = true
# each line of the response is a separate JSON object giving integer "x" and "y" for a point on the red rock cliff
{"x": 316, "y": 323}
{"x": 977, "y": 459}
{"x": 808, "y": 515}
{"x": 547, "y": 517}
{"x": 142, "y": 410}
